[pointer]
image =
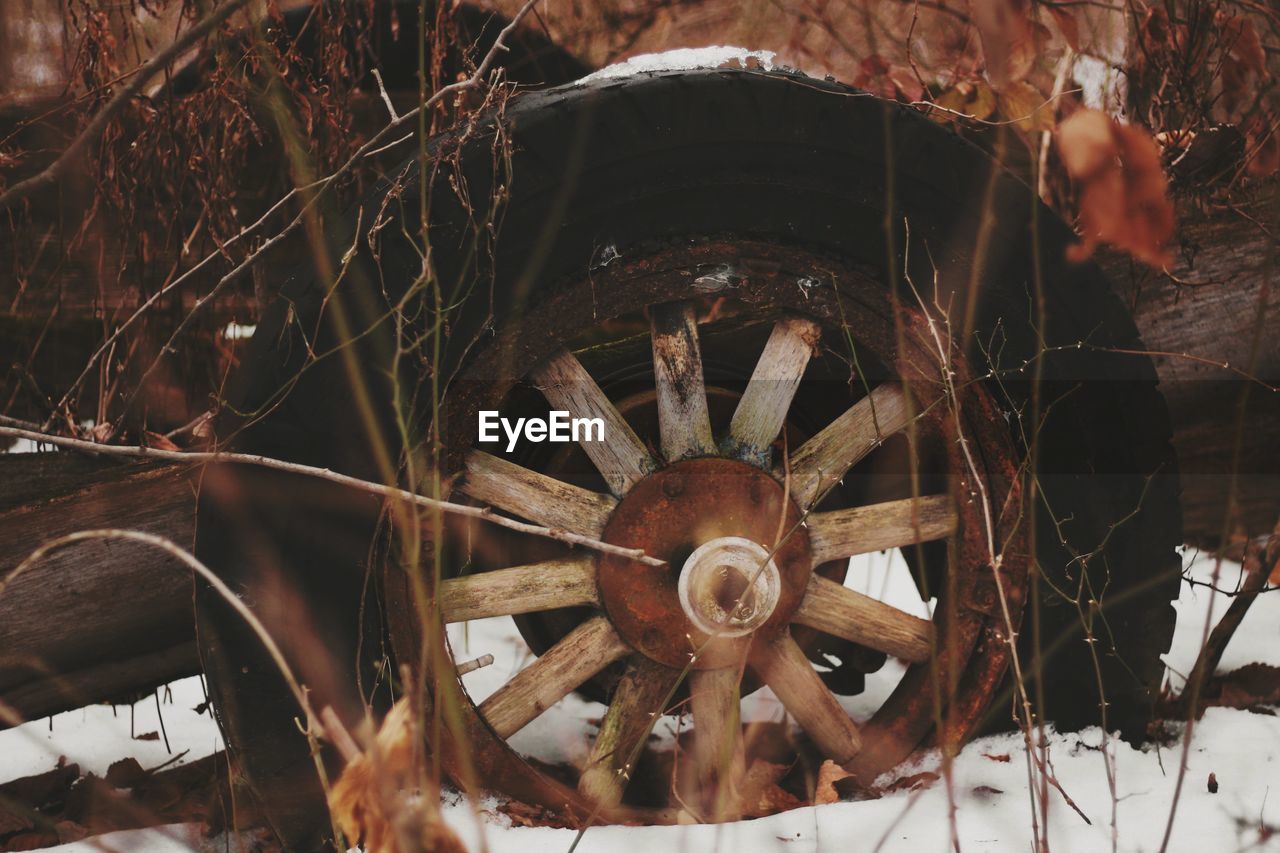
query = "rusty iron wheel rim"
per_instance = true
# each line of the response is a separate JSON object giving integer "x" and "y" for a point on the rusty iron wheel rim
{"x": 969, "y": 654}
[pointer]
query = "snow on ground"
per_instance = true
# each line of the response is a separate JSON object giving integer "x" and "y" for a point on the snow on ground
{"x": 685, "y": 59}
{"x": 993, "y": 812}
{"x": 95, "y": 736}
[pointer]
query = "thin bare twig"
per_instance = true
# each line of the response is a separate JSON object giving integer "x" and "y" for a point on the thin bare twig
{"x": 317, "y": 189}
{"x": 204, "y": 458}
{"x": 1258, "y": 566}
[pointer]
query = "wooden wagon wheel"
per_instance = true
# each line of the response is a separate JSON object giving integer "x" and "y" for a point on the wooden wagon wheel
{"x": 742, "y": 522}
{"x": 640, "y": 220}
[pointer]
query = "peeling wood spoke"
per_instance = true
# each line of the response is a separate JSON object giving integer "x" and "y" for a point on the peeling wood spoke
{"x": 537, "y": 497}
{"x": 683, "y": 419}
{"x": 621, "y": 458}
{"x": 837, "y": 610}
{"x": 796, "y": 683}
{"x": 523, "y": 589}
{"x": 582, "y": 653}
{"x": 714, "y": 696}
{"x": 822, "y": 461}
{"x": 637, "y": 701}
{"x": 764, "y": 405}
{"x": 894, "y": 524}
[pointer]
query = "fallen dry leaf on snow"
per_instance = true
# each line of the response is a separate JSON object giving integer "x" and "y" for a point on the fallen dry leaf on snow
{"x": 828, "y": 775}
{"x": 1124, "y": 198}
{"x": 376, "y": 800}
{"x": 760, "y": 793}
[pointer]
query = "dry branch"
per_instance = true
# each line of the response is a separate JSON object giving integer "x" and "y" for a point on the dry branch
{"x": 390, "y": 492}
{"x": 50, "y": 174}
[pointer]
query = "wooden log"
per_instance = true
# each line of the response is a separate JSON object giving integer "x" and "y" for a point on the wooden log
{"x": 97, "y": 620}
{"x": 1225, "y": 306}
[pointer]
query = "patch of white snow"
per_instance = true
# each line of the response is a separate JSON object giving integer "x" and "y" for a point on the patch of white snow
{"x": 685, "y": 59}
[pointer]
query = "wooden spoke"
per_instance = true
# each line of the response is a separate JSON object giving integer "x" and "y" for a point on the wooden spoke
{"x": 638, "y": 698}
{"x": 763, "y": 408}
{"x": 522, "y": 589}
{"x": 834, "y": 609}
{"x": 621, "y": 458}
{"x": 582, "y": 653}
{"x": 682, "y": 396}
{"x": 894, "y": 524}
{"x": 822, "y": 461}
{"x": 537, "y": 497}
{"x": 798, "y": 686}
{"x": 718, "y": 760}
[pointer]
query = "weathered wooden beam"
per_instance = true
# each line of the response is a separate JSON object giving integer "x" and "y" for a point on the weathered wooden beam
{"x": 97, "y": 620}
{"x": 1218, "y": 312}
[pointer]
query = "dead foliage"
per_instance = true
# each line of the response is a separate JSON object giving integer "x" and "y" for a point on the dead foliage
{"x": 64, "y": 805}
{"x": 379, "y": 799}
{"x": 1124, "y": 198}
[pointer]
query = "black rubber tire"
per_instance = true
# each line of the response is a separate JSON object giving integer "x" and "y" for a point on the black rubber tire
{"x": 672, "y": 156}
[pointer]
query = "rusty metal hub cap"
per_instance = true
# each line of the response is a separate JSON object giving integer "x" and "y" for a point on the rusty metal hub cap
{"x": 703, "y": 516}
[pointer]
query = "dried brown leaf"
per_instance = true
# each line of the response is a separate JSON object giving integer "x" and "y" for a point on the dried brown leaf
{"x": 761, "y": 795}
{"x": 1124, "y": 198}
{"x": 374, "y": 800}
{"x": 1008, "y": 39}
{"x": 1243, "y": 43}
{"x": 828, "y": 775}
{"x": 158, "y": 441}
{"x": 1024, "y": 105}
{"x": 1065, "y": 19}
{"x": 973, "y": 98}
{"x": 888, "y": 80}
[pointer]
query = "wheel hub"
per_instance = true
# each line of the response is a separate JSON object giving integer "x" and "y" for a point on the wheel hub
{"x": 729, "y": 586}
{"x": 712, "y": 520}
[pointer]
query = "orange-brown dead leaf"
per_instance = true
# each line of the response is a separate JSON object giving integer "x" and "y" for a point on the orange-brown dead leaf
{"x": 1024, "y": 105}
{"x": 1243, "y": 67}
{"x": 1067, "y": 23}
{"x": 158, "y": 441}
{"x": 760, "y": 793}
{"x": 1009, "y": 39}
{"x": 376, "y": 800}
{"x": 1156, "y": 33}
{"x": 1124, "y": 199}
{"x": 1263, "y": 147}
{"x": 828, "y": 775}
{"x": 882, "y": 77}
{"x": 968, "y": 97}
